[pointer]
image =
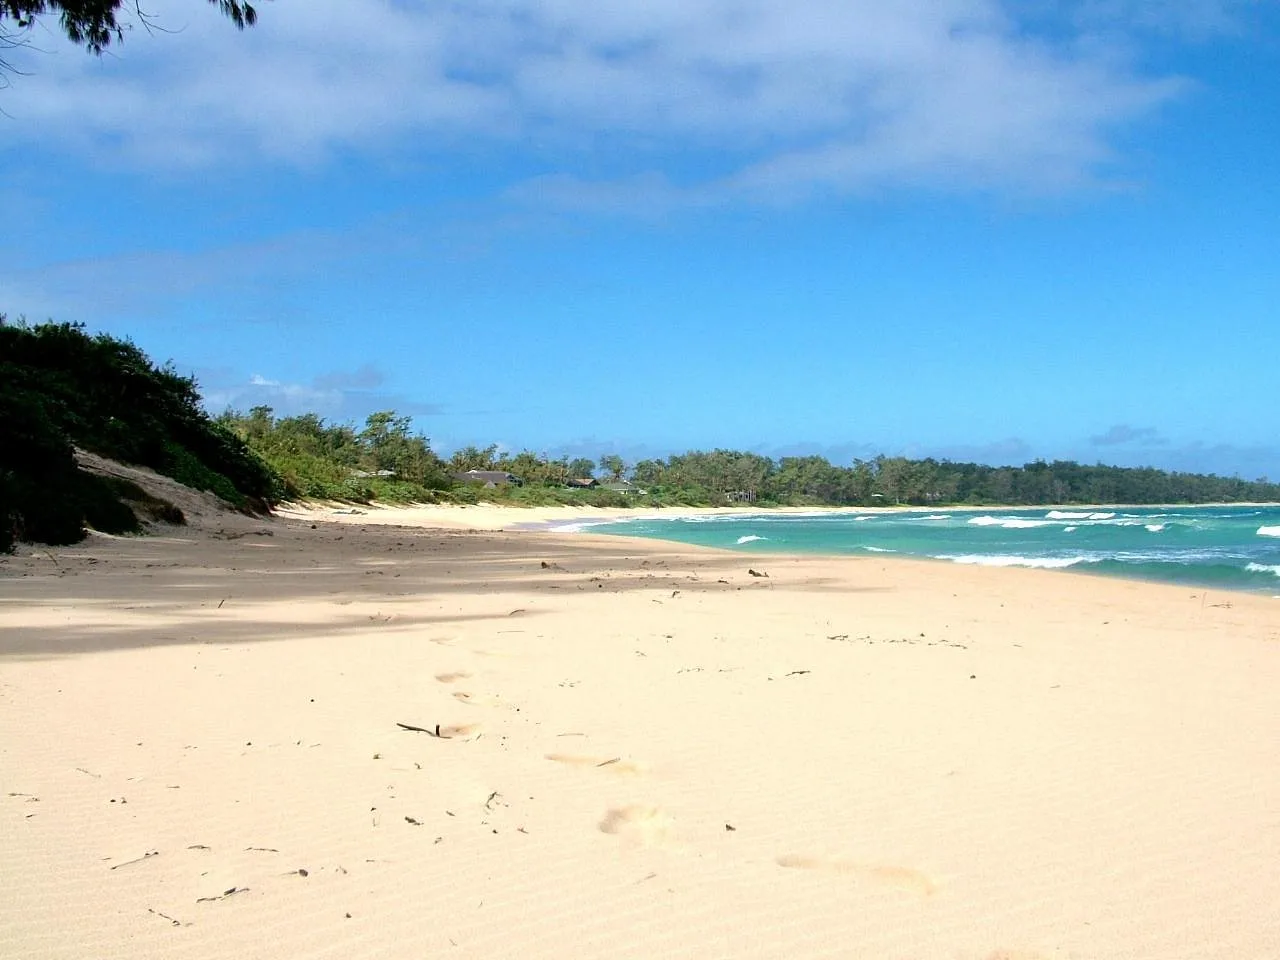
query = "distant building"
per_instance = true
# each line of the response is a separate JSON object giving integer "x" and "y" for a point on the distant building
{"x": 366, "y": 474}
{"x": 622, "y": 486}
{"x": 741, "y": 496}
{"x": 584, "y": 483}
{"x": 489, "y": 478}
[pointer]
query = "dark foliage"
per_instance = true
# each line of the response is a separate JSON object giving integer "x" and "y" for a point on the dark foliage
{"x": 95, "y": 24}
{"x": 61, "y": 388}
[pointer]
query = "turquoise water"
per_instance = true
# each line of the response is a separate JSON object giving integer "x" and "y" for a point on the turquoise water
{"x": 1234, "y": 548}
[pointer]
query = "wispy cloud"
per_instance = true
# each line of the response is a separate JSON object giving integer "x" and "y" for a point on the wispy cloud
{"x": 338, "y": 395}
{"x": 1123, "y": 433}
{"x": 761, "y": 100}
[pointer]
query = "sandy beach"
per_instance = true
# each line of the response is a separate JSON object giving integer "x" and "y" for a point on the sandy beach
{"x": 401, "y": 734}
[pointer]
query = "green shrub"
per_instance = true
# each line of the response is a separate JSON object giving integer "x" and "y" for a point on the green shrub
{"x": 61, "y": 388}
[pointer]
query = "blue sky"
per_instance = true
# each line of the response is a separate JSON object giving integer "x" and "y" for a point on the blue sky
{"x": 964, "y": 228}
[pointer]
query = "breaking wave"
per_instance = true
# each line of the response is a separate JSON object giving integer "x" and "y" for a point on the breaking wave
{"x": 1008, "y": 523}
{"x": 1015, "y": 560}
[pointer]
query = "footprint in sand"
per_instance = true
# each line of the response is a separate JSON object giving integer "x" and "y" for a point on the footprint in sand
{"x": 453, "y": 677}
{"x": 900, "y": 878}
{"x": 477, "y": 699}
{"x": 643, "y": 825}
{"x": 615, "y": 765}
{"x": 458, "y": 731}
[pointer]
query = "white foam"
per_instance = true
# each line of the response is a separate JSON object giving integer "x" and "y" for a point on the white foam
{"x": 1264, "y": 568}
{"x": 1008, "y": 523}
{"x": 1014, "y": 560}
{"x": 1064, "y": 515}
{"x": 1269, "y": 531}
{"x": 749, "y": 538}
{"x": 879, "y": 550}
{"x": 937, "y": 516}
{"x": 577, "y": 526}
{"x": 1155, "y": 527}
{"x": 1071, "y": 529}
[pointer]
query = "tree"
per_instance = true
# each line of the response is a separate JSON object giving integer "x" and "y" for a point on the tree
{"x": 473, "y": 458}
{"x": 94, "y": 23}
{"x": 615, "y": 466}
{"x": 580, "y": 468}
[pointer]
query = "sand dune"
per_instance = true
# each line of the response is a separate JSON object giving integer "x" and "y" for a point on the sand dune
{"x": 365, "y": 740}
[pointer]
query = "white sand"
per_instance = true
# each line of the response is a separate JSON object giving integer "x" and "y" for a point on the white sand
{"x": 494, "y": 517}
{"x": 645, "y": 752}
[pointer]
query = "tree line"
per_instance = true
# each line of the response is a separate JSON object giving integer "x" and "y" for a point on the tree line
{"x": 339, "y": 461}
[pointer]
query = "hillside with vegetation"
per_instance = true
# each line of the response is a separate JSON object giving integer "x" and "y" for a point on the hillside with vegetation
{"x": 63, "y": 390}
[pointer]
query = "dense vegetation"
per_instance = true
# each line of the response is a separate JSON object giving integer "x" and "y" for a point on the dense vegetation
{"x": 338, "y": 462}
{"x": 61, "y": 388}
{"x": 726, "y": 475}
{"x": 319, "y": 460}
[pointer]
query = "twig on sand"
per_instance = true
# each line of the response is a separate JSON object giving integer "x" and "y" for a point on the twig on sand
{"x": 165, "y": 916}
{"x": 757, "y": 573}
{"x": 430, "y": 733}
{"x": 231, "y": 892}
{"x": 146, "y": 856}
{"x": 605, "y": 763}
{"x": 90, "y": 773}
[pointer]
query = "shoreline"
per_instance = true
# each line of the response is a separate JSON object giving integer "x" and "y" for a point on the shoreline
{"x": 559, "y": 520}
{"x": 484, "y": 515}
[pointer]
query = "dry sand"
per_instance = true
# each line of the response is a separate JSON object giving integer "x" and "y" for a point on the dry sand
{"x": 642, "y": 751}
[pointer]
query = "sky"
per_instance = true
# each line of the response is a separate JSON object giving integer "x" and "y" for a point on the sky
{"x": 981, "y": 230}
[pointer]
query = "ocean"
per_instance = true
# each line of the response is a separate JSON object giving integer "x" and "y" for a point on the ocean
{"x": 1231, "y": 548}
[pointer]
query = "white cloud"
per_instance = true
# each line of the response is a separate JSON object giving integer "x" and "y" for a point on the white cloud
{"x": 338, "y": 396}
{"x": 760, "y": 99}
